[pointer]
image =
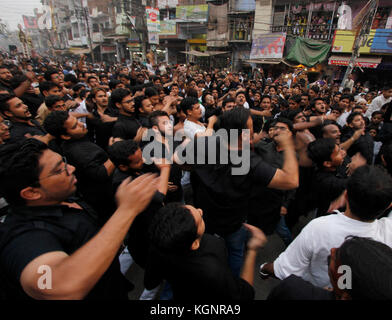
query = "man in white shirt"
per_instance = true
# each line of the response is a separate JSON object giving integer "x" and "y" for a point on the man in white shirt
{"x": 379, "y": 101}
{"x": 368, "y": 195}
{"x": 193, "y": 128}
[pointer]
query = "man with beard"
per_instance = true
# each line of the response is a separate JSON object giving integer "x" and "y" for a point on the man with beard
{"x": 143, "y": 108}
{"x": 163, "y": 146}
{"x": 318, "y": 106}
{"x": 6, "y": 77}
{"x": 93, "y": 166}
{"x": 29, "y": 97}
{"x": 101, "y": 125}
{"x": 127, "y": 126}
{"x": 22, "y": 123}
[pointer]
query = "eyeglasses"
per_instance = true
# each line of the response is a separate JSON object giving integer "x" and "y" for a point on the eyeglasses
{"x": 60, "y": 171}
{"x": 279, "y": 128}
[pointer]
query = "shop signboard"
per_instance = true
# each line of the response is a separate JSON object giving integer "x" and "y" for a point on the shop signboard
{"x": 268, "y": 46}
{"x": 344, "y": 41}
{"x": 382, "y": 42}
{"x": 162, "y": 4}
{"x": 168, "y": 27}
{"x": 194, "y": 13}
{"x": 153, "y": 24}
{"x": 153, "y": 38}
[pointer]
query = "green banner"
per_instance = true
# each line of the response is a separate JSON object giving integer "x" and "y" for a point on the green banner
{"x": 308, "y": 52}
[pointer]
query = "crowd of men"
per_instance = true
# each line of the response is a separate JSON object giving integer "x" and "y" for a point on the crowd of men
{"x": 92, "y": 181}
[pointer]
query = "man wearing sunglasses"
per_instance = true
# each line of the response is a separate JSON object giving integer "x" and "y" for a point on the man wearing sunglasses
{"x": 50, "y": 246}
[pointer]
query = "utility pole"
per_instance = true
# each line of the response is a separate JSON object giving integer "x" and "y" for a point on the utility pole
{"x": 86, "y": 15}
{"x": 361, "y": 37}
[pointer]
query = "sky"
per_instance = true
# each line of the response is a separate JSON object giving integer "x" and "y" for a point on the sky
{"x": 11, "y": 11}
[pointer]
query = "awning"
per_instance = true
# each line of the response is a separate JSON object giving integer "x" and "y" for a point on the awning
{"x": 264, "y": 61}
{"x": 363, "y": 62}
{"x": 204, "y": 54}
{"x": 77, "y": 50}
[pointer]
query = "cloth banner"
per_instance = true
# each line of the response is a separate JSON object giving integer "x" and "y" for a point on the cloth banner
{"x": 268, "y": 46}
{"x": 308, "y": 52}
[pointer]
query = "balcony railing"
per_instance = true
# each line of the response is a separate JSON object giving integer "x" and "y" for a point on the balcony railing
{"x": 316, "y": 32}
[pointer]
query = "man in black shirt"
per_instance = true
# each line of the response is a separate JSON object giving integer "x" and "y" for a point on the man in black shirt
{"x": 364, "y": 144}
{"x": 195, "y": 263}
{"x": 266, "y": 214}
{"x": 163, "y": 146}
{"x": 127, "y": 126}
{"x": 127, "y": 157}
{"x": 224, "y": 196}
{"x": 328, "y": 183}
{"x": 18, "y": 113}
{"x": 93, "y": 166}
{"x": 100, "y": 126}
{"x": 143, "y": 108}
{"x": 51, "y": 247}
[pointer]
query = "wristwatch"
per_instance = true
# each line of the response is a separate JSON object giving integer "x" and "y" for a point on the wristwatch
{"x": 262, "y": 274}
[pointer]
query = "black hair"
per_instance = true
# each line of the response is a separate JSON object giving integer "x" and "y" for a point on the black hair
{"x": 312, "y": 103}
{"x": 54, "y": 123}
{"x": 17, "y": 80}
{"x": 266, "y": 96}
{"x": 153, "y": 117}
{"x": 173, "y": 229}
{"x": 118, "y": 95}
{"x": 352, "y": 115}
{"x": 139, "y": 103}
{"x": 4, "y": 98}
{"x": 370, "y": 262}
{"x": 51, "y": 100}
{"x": 227, "y": 100}
{"x": 240, "y": 92}
{"x": 137, "y": 88}
{"x": 327, "y": 123}
{"x": 293, "y": 113}
{"x": 113, "y": 84}
{"x": 150, "y": 92}
{"x": 120, "y": 151}
{"x": 236, "y": 118}
{"x": 91, "y": 77}
{"x": 346, "y": 96}
{"x": 377, "y": 112}
{"x": 203, "y": 97}
{"x": 78, "y": 86}
{"x": 296, "y": 98}
{"x": 321, "y": 150}
{"x": 315, "y": 89}
{"x": 187, "y": 104}
{"x": 49, "y": 72}
{"x": 20, "y": 169}
{"x": 46, "y": 86}
{"x": 70, "y": 77}
{"x": 369, "y": 191}
{"x": 286, "y": 121}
